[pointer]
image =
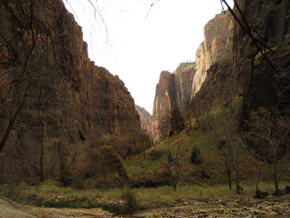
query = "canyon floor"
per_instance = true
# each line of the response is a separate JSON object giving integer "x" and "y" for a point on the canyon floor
{"x": 278, "y": 207}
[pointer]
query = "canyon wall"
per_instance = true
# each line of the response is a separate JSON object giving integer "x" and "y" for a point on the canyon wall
{"x": 172, "y": 94}
{"x": 216, "y": 48}
{"x": 196, "y": 83}
{"x": 262, "y": 60}
{"x": 230, "y": 63}
{"x": 55, "y": 103}
{"x": 146, "y": 120}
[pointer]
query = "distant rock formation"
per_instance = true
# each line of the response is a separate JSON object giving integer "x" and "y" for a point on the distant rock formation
{"x": 217, "y": 47}
{"x": 54, "y": 101}
{"x": 172, "y": 93}
{"x": 192, "y": 82}
{"x": 146, "y": 120}
{"x": 231, "y": 63}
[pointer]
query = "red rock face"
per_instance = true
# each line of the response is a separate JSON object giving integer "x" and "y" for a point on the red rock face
{"x": 54, "y": 101}
{"x": 146, "y": 121}
{"x": 216, "y": 47}
{"x": 192, "y": 81}
{"x": 172, "y": 91}
{"x": 267, "y": 85}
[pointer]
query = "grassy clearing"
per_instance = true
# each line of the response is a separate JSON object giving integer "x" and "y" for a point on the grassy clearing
{"x": 124, "y": 200}
{"x": 212, "y": 160}
{"x": 137, "y": 168}
{"x": 191, "y": 186}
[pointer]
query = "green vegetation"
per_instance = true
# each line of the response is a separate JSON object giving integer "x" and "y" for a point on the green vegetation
{"x": 200, "y": 162}
{"x": 186, "y": 65}
{"x": 50, "y": 194}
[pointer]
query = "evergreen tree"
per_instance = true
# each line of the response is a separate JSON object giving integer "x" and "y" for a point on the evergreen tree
{"x": 176, "y": 122}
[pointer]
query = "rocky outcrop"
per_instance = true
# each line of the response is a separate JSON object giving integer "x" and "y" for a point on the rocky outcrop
{"x": 54, "y": 101}
{"x": 196, "y": 83}
{"x": 262, "y": 61}
{"x": 146, "y": 121}
{"x": 251, "y": 62}
{"x": 172, "y": 93}
{"x": 165, "y": 101}
{"x": 217, "y": 47}
{"x": 183, "y": 81}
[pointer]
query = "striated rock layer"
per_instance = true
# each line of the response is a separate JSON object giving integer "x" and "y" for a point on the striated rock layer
{"x": 192, "y": 85}
{"x": 54, "y": 101}
{"x": 172, "y": 93}
{"x": 263, "y": 64}
{"x": 216, "y": 48}
{"x": 145, "y": 120}
{"x": 230, "y": 63}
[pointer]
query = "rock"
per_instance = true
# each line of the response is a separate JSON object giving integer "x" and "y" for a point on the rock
{"x": 146, "y": 121}
{"x": 179, "y": 89}
{"x": 215, "y": 48}
{"x": 261, "y": 195}
{"x": 68, "y": 101}
{"x": 287, "y": 190}
{"x": 278, "y": 193}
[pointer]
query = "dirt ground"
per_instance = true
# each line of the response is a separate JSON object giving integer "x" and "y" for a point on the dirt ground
{"x": 194, "y": 208}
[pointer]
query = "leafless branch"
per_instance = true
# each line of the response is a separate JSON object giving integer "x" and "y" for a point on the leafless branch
{"x": 151, "y": 6}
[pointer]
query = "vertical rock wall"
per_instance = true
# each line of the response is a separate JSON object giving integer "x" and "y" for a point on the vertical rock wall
{"x": 199, "y": 81}
{"x": 55, "y": 103}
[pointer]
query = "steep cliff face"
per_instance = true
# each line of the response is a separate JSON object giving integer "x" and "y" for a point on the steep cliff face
{"x": 263, "y": 63}
{"x": 183, "y": 81}
{"x": 216, "y": 48}
{"x": 146, "y": 121}
{"x": 164, "y": 102}
{"x": 172, "y": 93}
{"x": 54, "y": 101}
{"x": 198, "y": 83}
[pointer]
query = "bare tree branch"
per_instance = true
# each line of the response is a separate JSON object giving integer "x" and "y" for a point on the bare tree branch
{"x": 151, "y": 6}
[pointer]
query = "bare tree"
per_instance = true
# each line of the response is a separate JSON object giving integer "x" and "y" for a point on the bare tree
{"x": 270, "y": 129}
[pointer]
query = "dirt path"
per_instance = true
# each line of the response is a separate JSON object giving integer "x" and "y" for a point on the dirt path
{"x": 194, "y": 208}
{"x": 10, "y": 209}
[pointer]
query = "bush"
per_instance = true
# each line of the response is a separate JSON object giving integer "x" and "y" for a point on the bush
{"x": 155, "y": 154}
{"x": 130, "y": 201}
{"x": 78, "y": 183}
{"x": 195, "y": 156}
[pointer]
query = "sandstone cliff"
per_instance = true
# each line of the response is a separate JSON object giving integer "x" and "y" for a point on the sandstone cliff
{"x": 262, "y": 61}
{"x": 192, "y": 85}
{"x": 230, "y": 63}
{"x": 217, "y": 47}
{"x": 146, "y": 120}
{"x": 55, "y": 103}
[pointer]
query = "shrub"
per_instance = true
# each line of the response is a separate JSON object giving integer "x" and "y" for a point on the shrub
{"x": 155, "y": 154}
{"x": 78, "y": 183}
{"x": 195, "y": 156}
{"x": 130, "y": 201}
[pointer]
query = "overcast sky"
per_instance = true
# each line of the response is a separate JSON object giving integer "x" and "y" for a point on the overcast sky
{"x": 136, "y": 47}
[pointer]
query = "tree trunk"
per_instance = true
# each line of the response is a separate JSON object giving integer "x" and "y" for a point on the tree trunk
{"x": 229, "y": 174}
{"x": 237, "y": 181}
{"x": 276, "y": 177}
{"x": 258, "y": 179}
{"x": 41, "y": 155}
{"x": 63, "y": 177}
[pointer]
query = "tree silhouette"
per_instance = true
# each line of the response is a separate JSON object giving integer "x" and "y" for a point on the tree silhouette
{"x": 176, "y": 122}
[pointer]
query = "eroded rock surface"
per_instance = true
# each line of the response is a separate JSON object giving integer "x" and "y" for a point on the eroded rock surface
{"x": 54, "y": 101}
{"x": 199, "y": 82}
